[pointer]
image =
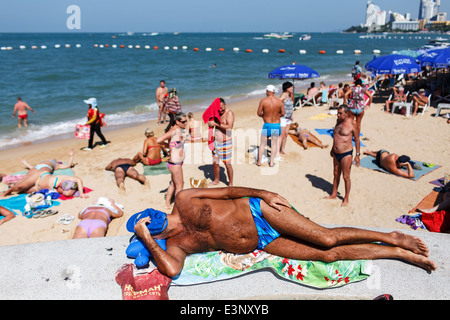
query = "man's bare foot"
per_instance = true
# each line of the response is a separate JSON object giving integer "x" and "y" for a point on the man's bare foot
{"x": 147, "y": 184}
{"x": 122, "y": 188}
{"x": 332, "y": 196}
{"x": 213, "y": 183}
{"x": 418, "y": 260}
{"x": 410, "y": 243}
{"x": 344, "y": 203}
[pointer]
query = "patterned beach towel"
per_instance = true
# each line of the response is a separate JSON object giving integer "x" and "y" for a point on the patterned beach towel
{"x": 214, "y": 266}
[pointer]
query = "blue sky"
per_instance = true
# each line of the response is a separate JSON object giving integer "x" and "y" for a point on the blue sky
{"x": 195, "y": 15}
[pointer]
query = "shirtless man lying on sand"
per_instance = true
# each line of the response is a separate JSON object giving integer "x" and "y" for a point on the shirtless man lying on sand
{"x": 123, "y": 167}
{"x": 392, "y": 162}
{"x": 240, "y": 220}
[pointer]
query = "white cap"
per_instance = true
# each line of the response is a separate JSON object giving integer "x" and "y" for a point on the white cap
{"x": 271, "y": 88}
{"x": 91, "y": 101}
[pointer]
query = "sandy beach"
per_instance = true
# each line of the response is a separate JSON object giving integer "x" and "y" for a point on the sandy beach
{"x": 304, "y": 177}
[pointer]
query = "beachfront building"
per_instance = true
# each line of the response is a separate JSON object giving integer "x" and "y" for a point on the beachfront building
{"x": 375, "y": 17}
{"x": 429, "y": 9}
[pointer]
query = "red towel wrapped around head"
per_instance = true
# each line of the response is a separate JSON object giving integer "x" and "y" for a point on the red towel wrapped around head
{"x": 212, "y": 113}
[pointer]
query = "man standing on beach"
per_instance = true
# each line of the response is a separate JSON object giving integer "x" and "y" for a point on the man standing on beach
{"x": 271, "y": 109}
{"x": 223, "y": 143}
{"x": 161, "y": 93}
{"x": 342, "y": 151}
{"x": 21, "y": 108}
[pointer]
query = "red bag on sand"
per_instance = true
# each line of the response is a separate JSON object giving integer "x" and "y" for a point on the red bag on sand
{"x": 438, "y": 221}
{"x": 142, "y": 285}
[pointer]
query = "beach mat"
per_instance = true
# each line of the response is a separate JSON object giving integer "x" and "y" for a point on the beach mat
{"x": 18, "y": 203}
{"x": 215, "y": 266}
{"x": 438, "y": 182}
{"x": 330, "y": 132}
{"x": 59, "y": 172}
{"x": 310, "y": 144}
{"x": 429, "y": 201}
{"x": 370, "y": 163}
{"x": 160, "y": 168}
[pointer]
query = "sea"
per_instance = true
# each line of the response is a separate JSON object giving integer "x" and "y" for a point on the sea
{"x": 55, "y": 72}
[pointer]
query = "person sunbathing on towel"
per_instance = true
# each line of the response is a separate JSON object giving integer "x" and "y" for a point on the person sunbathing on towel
{"x": 69, "y": 186}
{"x": 240, "y": 220}
{"x": 96, "y": 218}
{"x": 123, "y": 167}
{"x": 27, "y": 183}
{"x": 392, "y": 162}
{"x": 304, "y": 135}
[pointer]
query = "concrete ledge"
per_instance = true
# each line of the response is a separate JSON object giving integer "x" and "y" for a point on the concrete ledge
{"x": 85, "y": 269}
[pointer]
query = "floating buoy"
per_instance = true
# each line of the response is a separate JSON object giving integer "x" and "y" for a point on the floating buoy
{"x": 122, "y": 46}
{"x": 42, "y": 47}
{"x": 101, "y": 46}
{"x": 322, "y": 51}
{"x": 221, "y": 49}
{"x": 106, "y": 45}
{"x": 175, "y": 48}
{"x": 57, "y": 46}
{"x": 155, "y": 48}
{"x": 78, "y": 45}
{"x": 95, "y": 45}
{"x": 235, "y": 49}
{"x": 130, "y": 46}
{"x": 195, "y": 49}
{"x": 67, "y": 45}
{"x": 114, "y": 46}
{"x": 208, "y": 49}
{"x": 166, "y": 48}
{"x": 282, "y": 51}
{"x": 340, "y": 51}
{"x": 249, "y": 50}
{"x": 184, "y": 47}
{"x": 357, "y": 51}
{"x": 137, "y": 46}
{"x": 376, "y": 51}
{"x": 265, "y": 50}
{"x": 33, "y": 47}
{"x": 302, "y": 51}
{"x": 147, "y": 47}
{"x": 22, "y": 47}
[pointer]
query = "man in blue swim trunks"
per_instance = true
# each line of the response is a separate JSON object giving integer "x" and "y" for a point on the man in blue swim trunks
{"x": 271, "y": 109}
{"x": 241, "y": 220}
{"x": 345, "y": 132}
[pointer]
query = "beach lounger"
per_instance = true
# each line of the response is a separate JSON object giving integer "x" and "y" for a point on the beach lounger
{"x": 308, "y": 102}
{"x": 440, "y": 107}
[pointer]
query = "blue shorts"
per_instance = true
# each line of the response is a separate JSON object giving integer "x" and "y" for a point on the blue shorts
{"x": 266, "y": 233}
{"x": 270, "y": 129}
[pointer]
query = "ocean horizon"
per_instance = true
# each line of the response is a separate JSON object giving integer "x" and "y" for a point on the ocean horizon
{"x": 55, "y": 72}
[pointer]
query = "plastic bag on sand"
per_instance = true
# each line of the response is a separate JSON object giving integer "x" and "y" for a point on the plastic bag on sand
{"x": 148, "y": 284}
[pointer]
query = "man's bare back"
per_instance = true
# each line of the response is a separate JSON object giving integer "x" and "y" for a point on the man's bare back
{"x": 271, "y": 109}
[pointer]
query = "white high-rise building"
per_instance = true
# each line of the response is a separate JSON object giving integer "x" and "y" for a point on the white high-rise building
{"x": 428, "y": 9}
{"x": 374, "y": 16}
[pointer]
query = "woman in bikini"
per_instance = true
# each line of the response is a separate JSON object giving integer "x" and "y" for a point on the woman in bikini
{"x": 151, "y": 153}
{"x": 356, "y": 101}
{"x": 96, "y": 218}
{"x": 68, "y": 186}
{"x": 176, "y": 137}
{"x": 27, "y": 183}
{"x": 305, "y": 136}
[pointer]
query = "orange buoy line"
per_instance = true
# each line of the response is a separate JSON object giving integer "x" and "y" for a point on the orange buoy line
{"x": 322, "y": 51}
{"x": 249, "y": 50}
{"x": 282, "y": 51}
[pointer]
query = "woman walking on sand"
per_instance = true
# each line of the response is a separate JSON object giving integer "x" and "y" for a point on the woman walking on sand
{"x": 176, "y": 137}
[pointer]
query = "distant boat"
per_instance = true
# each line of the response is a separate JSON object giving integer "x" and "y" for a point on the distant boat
{"x": 274, "y": 35}
{"x": 437, "y": 43}
{"x": 305, "y": 37}
{"x": 154, "y": 33}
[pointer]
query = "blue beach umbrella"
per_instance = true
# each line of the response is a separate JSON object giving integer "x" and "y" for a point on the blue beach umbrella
{"x": 293, "y": 71}
{"x": 393, "y": 64}
{"x": 436, "y": 58}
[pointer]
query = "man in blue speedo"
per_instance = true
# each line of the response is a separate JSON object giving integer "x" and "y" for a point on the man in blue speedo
{"x": 241, "y": 220}
{"x": 271, "y": 109}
